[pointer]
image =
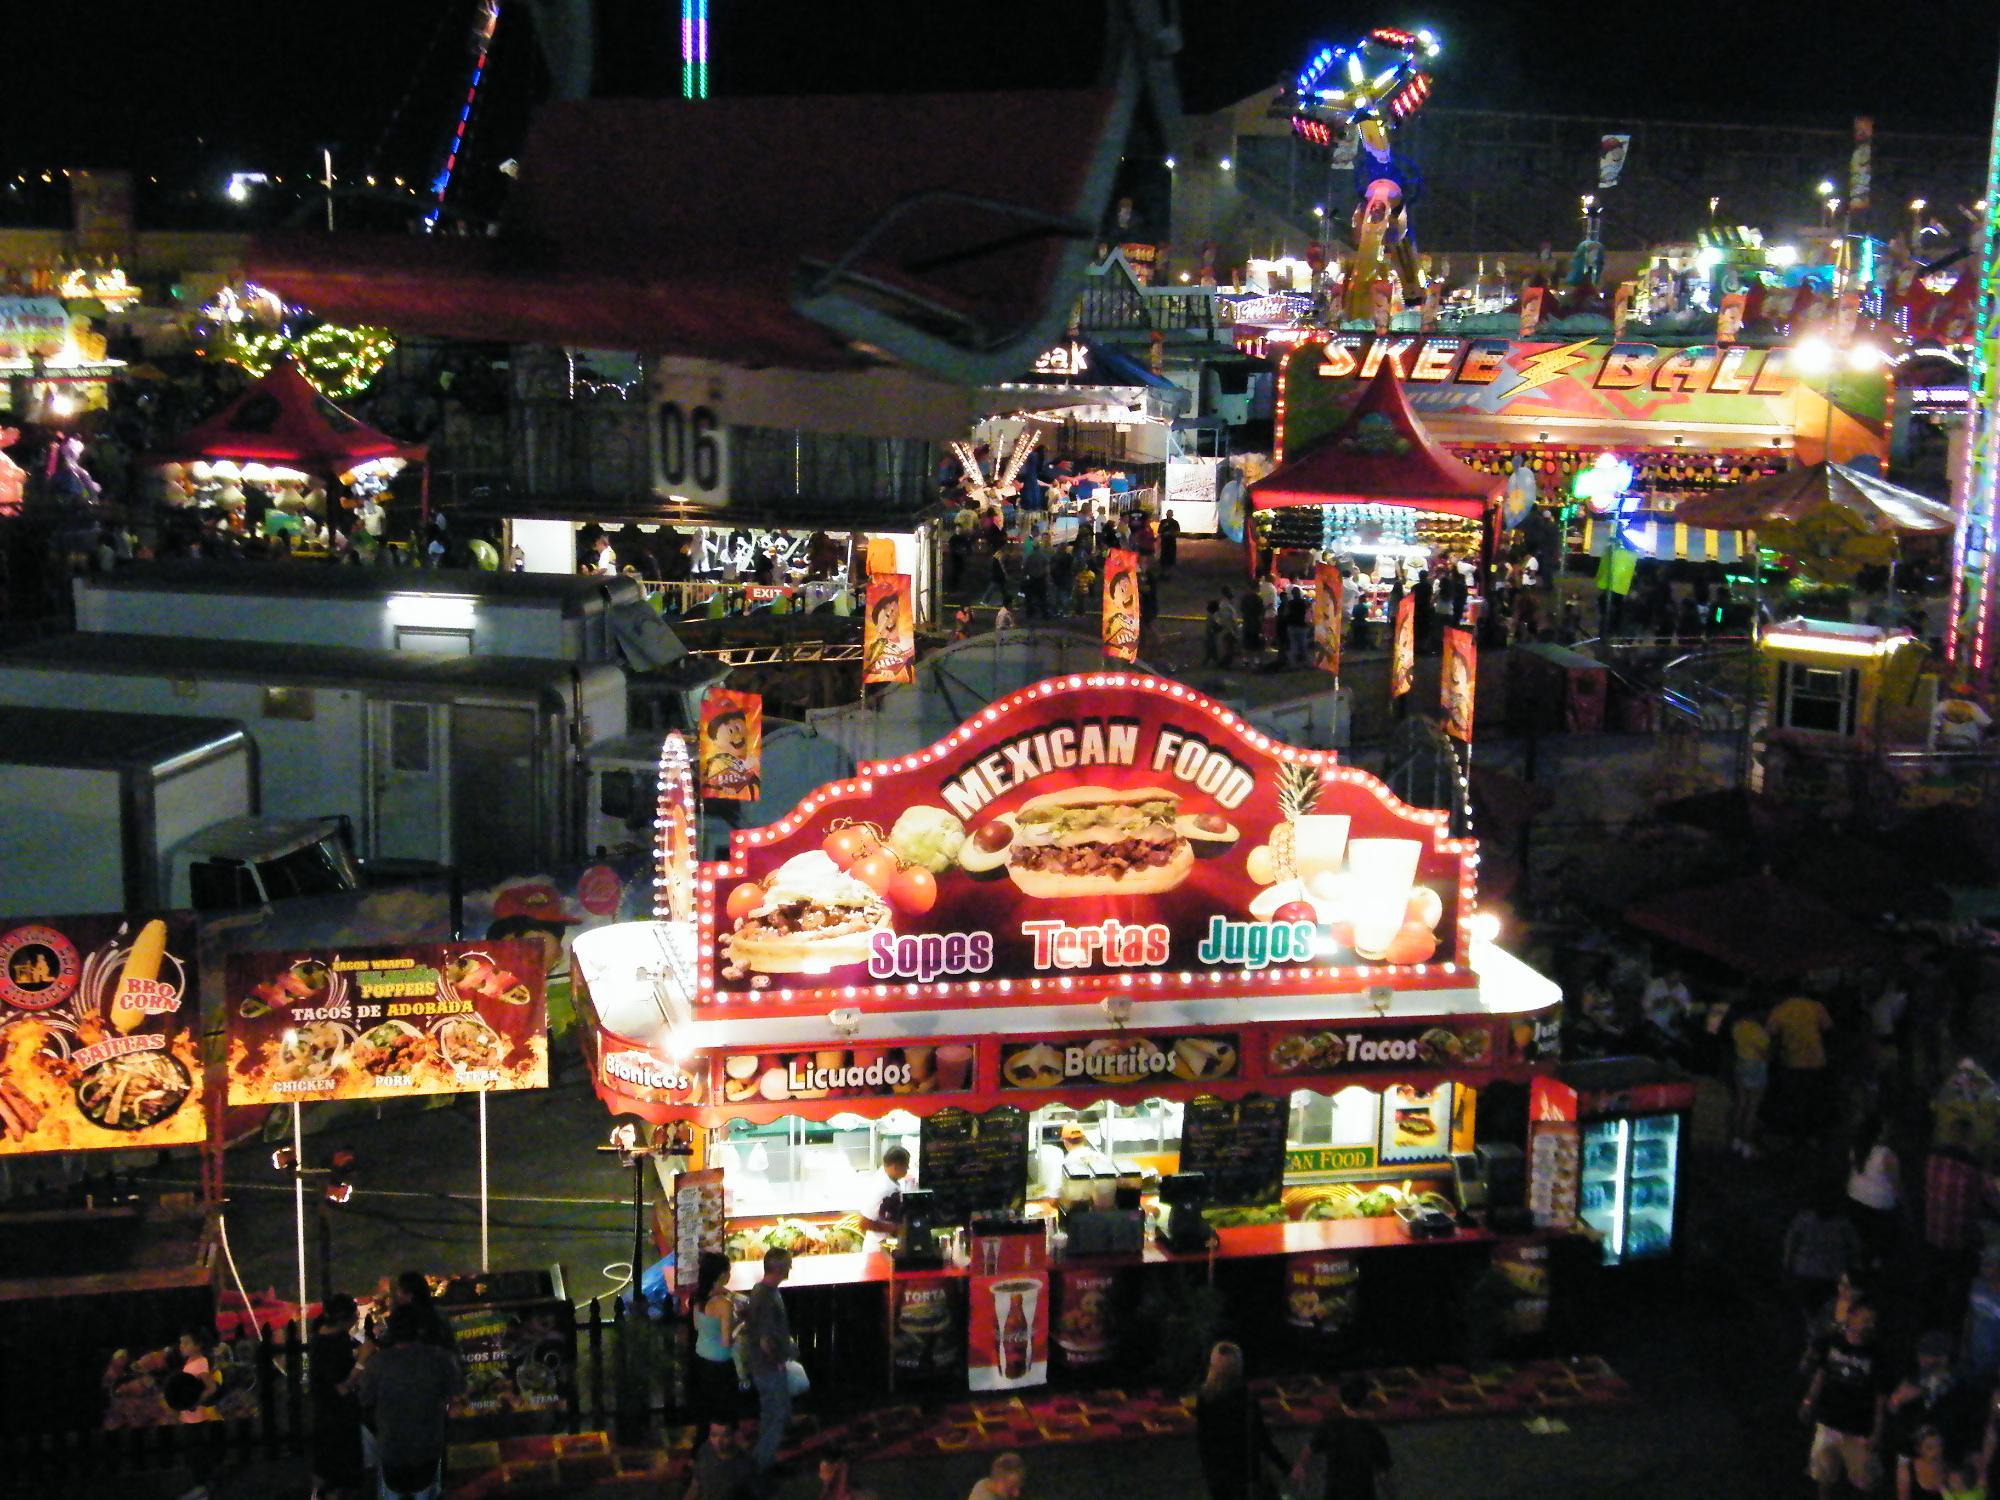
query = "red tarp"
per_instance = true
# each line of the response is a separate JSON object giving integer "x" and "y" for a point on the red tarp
{"x": 1380, "y": 456}
{"x": 682, "y": 228}
{"x": 283, "y": 420}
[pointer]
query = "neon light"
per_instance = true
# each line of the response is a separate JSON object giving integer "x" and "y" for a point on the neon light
{"x": 482, "y": 34}
{"x": 694, "y": 49}
{"x": 1980, "y": 485}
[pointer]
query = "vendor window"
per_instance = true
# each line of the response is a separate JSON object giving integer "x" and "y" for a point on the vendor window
{"x": 796, "y": 1166}
{"x": 1817, "y": 699}
{"x": 1350, "y": 1117}
{"x": 1147, "y": 1134}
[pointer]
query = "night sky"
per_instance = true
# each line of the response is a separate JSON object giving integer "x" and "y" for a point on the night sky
{"x": 228, "y": 83}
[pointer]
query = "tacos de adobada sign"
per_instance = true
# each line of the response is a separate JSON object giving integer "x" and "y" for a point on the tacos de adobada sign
{"x": 1087, "y": 834}
{"x": 384, "y": 1023}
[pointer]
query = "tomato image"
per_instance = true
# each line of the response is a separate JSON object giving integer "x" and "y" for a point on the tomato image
{"x": 913, "y": 890}
{"x": 876, "y": 869}
{"x": 745, "y": 899}
{"x": 845, "y": 845}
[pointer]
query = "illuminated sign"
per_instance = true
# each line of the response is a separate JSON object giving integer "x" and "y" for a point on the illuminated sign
{"x": 1431, "y": 360}
{"x": 1065, "y": 359}
{"x": 1110, "y": 833}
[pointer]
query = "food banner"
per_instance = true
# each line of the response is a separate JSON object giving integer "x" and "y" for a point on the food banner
{"x": 732, "y": 744}
{"x": 32, "y": 327}
{"x": 1086, "y": 1327}
{"x": 927, "y": 1346}
{"x": 1007, "y": 1343}
{"x": 1320, "y": 1292}
{"x": 1403, "y": 647}
{"x": 100, "y": 1042}
{"x": 1329, "y": 620}
{"x": 1531, "y": 310}
{"x": 1458, "y": 682}
{"x": 889, "y": 642}
{"x": 1091, "y": 1062}
{"x": 1611, "y": 153}
{"x": 1350, "y": 1047}
{"x": 1092, "y": 833}
{"x": 845, "y": 1073}
{"x": 1122, "y": 621}
{"x": 517, "y": 1360}
{"x": 1729, "y": 318}
{"x": 700, "y": 1223}
{"x": 386, "y": 1023}
{"x": 545, "y": 908}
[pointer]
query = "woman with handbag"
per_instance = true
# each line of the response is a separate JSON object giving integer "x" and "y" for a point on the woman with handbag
{"x": 1230, "y": 1435}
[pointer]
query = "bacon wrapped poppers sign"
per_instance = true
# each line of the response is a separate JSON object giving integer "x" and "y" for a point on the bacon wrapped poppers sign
{"x": 1104, "y": 832}
{"x": 382, "y": 1023}
{"x": 99, "y": 1041}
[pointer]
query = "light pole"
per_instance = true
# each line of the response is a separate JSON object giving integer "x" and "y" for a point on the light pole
{"x": 326, "y": 160}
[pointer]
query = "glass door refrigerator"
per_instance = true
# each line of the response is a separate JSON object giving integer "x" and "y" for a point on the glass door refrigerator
{"x": 1629, "y": 1118}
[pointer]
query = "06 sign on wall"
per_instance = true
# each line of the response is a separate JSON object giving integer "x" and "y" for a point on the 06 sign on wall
{"x": 690, "y": 436}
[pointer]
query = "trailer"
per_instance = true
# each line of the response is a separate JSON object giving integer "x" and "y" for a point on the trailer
{"x": 481, "y": 763}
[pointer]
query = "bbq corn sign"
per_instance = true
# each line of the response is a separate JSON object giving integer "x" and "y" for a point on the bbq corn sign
{"x": 99, "y": 1046}
{"x": 1109, "y": 833}
{"x": 386, "y": 1023}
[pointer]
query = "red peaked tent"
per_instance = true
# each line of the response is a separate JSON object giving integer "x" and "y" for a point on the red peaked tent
{"x": 283, "y": 420}
{"x": 1380, "y": 456}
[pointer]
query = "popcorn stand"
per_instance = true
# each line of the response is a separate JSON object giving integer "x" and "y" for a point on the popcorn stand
{"x": 1138, "y": 988}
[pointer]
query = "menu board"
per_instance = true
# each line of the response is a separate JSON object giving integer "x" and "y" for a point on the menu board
{"x": 383, "y": 1023}
{"x": 698, "y": 1223}
{"x": 974, "y": 1163}
{"x": 99, "y": 1044}
{"x": 1239, "y": 1146}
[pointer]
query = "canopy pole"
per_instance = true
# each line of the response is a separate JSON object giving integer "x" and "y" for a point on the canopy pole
{"x": 299, "y": 1208}
{"x": 485, "y": 1245}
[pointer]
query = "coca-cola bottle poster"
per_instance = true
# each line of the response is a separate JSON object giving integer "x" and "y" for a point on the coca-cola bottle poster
{"x": 1008, "y": 1323}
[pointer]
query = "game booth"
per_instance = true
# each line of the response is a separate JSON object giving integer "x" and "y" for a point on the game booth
{"x": 1379, "y": 491}
{"x": 1150, "y": 999}
{"x": 1536, "y": 413}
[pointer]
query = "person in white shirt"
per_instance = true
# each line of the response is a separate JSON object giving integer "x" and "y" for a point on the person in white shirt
{"x": 881, "y": 1205}
{"x": 604, "y": 562}
{"x": 1874, "y": 1187}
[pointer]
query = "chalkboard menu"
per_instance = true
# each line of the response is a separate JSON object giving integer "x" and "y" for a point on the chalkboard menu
{"x": 974, "y": 1163}
{"x": 1238, "y": 1146}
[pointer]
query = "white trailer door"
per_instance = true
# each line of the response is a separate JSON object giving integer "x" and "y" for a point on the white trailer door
{"x": 410, "y": 815}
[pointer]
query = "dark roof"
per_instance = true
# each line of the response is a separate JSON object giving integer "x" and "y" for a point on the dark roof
{"x": 684, "y": 228}
{"x": 100, "y": 738}
{"x": 1867, "y": 502}
{"x": 1381, "y": 455}
{"x": 330, "y": 581}
{"x": 282, "y": 420}
{"x": 262, "y": 661}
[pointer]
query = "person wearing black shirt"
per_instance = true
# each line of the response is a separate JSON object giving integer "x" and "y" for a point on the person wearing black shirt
{"x": 1353, "y": 1449}
{"x": 1229, "y": 1432}
{"x": 1847, "y": 1406}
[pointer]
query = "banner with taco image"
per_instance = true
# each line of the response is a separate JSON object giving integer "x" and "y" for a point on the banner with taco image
{"x": 888, "y": 631}
{"x": 1121, "y": 604}
{"x": 100, "y": 1047}
{"x": 732, "y": 745}
{"x": 1457, "y": 682}
{"x": 386, "y": 1023}
{"x": 1403, "y": 647}
{"x": 1327, "y": 617}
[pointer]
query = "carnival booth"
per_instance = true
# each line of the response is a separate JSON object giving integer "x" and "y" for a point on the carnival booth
{"x": 1136, "y": 986}
{"x": 267, "y": 458}
{"x": 1377, "y": 491}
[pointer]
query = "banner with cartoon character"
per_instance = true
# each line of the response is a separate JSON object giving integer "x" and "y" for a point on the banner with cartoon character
{"x": 888, "y": 630}
{"x": 1328, "y": 620}
{"x": 1457, "y": 682}
{"x": 550, "y": 909}
{"x": 99, "y": 1046}
{"x": 1121, "y": 604}
{"x": 1403, "y": 647}
{"x": 732, "y": 745}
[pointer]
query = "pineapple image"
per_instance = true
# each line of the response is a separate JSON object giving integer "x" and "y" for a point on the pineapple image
{"x": 1298, "y": 794}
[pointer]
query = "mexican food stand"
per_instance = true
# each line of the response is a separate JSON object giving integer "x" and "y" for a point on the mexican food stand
{"x": 1106, "y": 907}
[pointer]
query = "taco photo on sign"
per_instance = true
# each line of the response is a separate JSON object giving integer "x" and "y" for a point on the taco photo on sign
{"x": 888, "y": 635}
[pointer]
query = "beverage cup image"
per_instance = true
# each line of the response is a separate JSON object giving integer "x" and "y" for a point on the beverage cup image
{"x": 952, "y": 1068}
{"x": 1014, "y": 1305}
{"x": 1382, "y": 871}
{"x": 1321, "y": 842}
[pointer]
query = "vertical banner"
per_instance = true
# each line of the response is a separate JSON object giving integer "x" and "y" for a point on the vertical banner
{"x": 100, "y": 1040}
{"x": 732, "y": 744}
{"x": 1611, "y": 153}
{"x": 1457, "y": 682}
{"x": 1621, "y": 309}
{"x": 698, "y": 1223}
{"x": 1327, "y": 617}
{"x": 927, "y": 1346}
{"x": 1403, "y": 647}
{"x": 1086, "y": 1328}
{"x": 1007, "y": 1344}
{"x": 1861, "y": 168}
{"x": 1729, "y": 320}
{"x": 1531, "y": 310}
{"x": 1121, "y": 604}
{"x": 889, "y": 645}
